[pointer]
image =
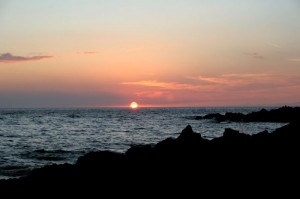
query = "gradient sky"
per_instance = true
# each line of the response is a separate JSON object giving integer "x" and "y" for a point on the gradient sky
{"x": 79, "y": 53}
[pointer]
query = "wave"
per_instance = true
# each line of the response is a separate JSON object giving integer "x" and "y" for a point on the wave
{"x": 50, "y": 155}
{"x": 8, "y": 171}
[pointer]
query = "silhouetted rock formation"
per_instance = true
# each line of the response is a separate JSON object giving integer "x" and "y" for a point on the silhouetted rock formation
{"x": 182, "y": 163}
{"x": 283, "y": 114}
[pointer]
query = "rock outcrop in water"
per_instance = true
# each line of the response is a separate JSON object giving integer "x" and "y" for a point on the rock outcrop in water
{"x": 283, "y": 114}
{"x": 234, "y": 161}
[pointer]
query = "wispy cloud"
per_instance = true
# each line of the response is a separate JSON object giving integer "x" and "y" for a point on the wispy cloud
{"x": 231, "y": 79}
{"x": 272, "y": 44}
{"x": 9, "y": 58}
{"x": 255, "y": 55}
{"x": 87, "y": 52}
{"x": 150, "y": 94}
{"x": 238, "y": 83}
{"x": 209, "y": 80}
{"x": 164, "y": 85}
{"x": 250, "y": 81}
{"x": 233, "y": 88}
{"x": 295, "y": 60}
{"x": 206, "y": 83}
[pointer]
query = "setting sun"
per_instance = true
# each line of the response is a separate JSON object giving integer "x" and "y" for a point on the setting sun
{"x": 134, "y": 105}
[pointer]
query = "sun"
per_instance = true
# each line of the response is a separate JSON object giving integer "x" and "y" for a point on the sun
{"x": 134, "y": 105}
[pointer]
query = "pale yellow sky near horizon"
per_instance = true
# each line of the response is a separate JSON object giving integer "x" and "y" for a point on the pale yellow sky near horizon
{"x": 159, "y": 53}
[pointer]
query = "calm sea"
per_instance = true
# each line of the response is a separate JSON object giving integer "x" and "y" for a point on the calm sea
{"x": 31, "y": 138}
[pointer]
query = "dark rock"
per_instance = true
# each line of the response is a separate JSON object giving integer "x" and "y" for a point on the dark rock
{"x": 196, "y": 118}
{"x": 188, "y": 134}
{"x": 99, "y": 159}
{"x": 180, "y": 163}
{"x": 141, "y": 151}
{"x": 216, "y": 116}
{"x": 284, "y": 114}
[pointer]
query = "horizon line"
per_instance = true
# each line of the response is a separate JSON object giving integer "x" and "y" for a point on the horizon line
{"x": 148, "y": 106}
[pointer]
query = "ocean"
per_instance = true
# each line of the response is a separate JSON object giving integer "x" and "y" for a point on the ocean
{"x": 32, "y": 138}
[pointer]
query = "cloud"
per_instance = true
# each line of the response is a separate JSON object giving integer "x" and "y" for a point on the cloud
{"x": 249, "y": 81}
{"x": 209, "y": 80}
{"x": 255, "y": 55}
{"x": 86, "y": 52}
{"x": 222, "y": 89}
{"x": 295, "y": 60}
{"x": 164, "y": 85}
{"x": 231, "y": 79}
{"x": 234, "y": 79}
{"x": 234, "y": 85}
{"x": 273, "y": 44}
{"x": 150, "y": 94}
{"x": 202, "y": 83}
{"x": 9, "y": 58}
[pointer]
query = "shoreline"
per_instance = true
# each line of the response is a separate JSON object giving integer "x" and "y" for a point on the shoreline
{"x": 263, "y": 157}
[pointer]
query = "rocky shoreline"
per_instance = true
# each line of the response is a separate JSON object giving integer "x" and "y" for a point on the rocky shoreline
{"x": 283, "y": 114}
{"x": 187, "y": 161}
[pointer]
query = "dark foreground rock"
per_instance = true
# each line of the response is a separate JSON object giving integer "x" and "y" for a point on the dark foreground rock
{"x": 284, "y": 114}
{"x": 189, "y": 163}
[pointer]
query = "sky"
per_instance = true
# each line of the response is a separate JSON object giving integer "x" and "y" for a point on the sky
{"x": 173, "y": 53}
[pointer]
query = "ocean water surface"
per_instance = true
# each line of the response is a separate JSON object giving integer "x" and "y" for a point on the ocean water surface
{"x": 31, "y": 138}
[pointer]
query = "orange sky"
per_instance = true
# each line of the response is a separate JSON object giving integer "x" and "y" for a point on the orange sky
{"x": 158, "y": 53}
